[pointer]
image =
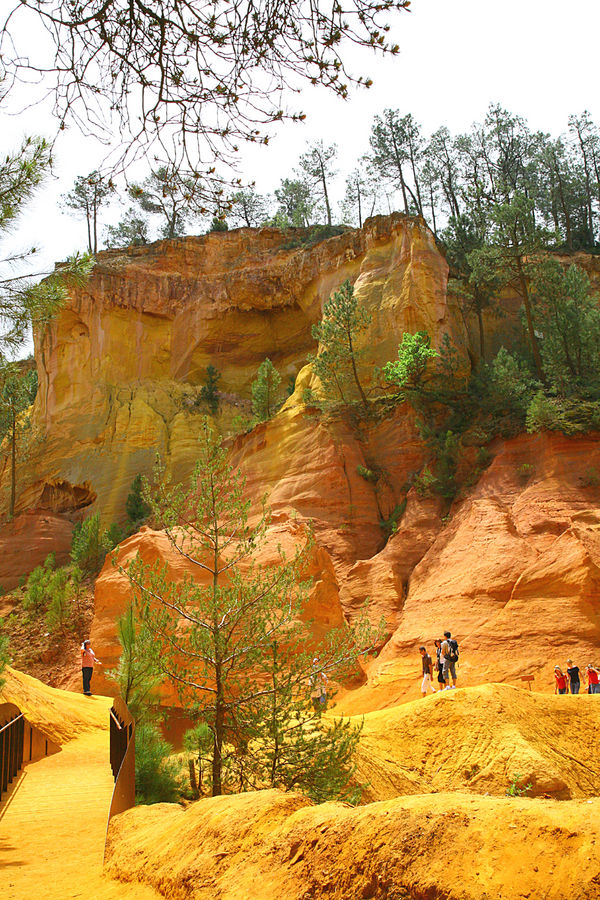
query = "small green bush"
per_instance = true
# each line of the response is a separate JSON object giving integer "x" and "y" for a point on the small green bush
{"x": 157, "y": 777}
{"x": 591, "y": 477}
{"x": 91, "y": 543}
{"x": 525, "y": 472}
{"x": 425, "y": 483}
{"x": 368, "y": 474}
{"x": 515, "y": 789}
{"x": 37, "y": 585}
{"x": 135, "y": 506}
{"x": 389, "y": 526}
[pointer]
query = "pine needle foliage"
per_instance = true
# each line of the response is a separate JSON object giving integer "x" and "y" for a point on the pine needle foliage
{"x": 215, "y": 628}
{"x": 264, "y": 391}
{"x": 337, "y": 362}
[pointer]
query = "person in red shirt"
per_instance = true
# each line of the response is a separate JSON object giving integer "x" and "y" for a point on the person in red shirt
{"x": 593, "y": 680}
{"x": 561, "y": 681}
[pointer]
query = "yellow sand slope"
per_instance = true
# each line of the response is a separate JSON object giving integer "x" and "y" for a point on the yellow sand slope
{"x": 476, "y": 739}
{"x": 276, "y": 846}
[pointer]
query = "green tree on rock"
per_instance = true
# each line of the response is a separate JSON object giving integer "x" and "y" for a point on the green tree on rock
{"x": 135, "y": 506}
{"x": 88, "y": 195}
{"x": 337, "y": 361}
{"x": 264, "y": 391}
{"x": 17, "y": 393}
{"x": 213, "y": 628}
{"x": 209, "y": 394}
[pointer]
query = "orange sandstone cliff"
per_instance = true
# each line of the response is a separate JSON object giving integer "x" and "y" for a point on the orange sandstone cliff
{"x": 512, "y": 568}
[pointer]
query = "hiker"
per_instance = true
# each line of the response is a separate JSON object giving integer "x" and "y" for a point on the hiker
{"x": 439, "y": 664}
{"x": 427, "y": 672}
{"x": 574, "y": 677}
{"x": 450, "y": 655}
{"x": 88, "y": 658}
{"x": 561, "y": 681}
{"x": 318, "y": 686}
{"x": 593, "y": 680}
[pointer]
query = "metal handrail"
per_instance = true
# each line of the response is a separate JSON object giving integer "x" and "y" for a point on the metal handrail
{"x": 122, "y": 759}
{"x": 12, "y": 722}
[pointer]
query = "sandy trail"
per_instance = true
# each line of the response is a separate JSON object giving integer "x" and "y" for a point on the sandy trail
{"x": 53, "y": 824}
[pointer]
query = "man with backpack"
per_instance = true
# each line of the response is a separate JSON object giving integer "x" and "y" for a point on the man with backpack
{"x": 450, "y": 655}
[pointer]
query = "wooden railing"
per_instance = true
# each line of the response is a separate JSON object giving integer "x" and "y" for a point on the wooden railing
{"x": 20, "y": 743}
{"x": 12, "y": 733}
{"x": 122, "y": 758}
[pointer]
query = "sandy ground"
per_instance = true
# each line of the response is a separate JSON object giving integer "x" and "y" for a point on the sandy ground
{"x": 53, "y": 821}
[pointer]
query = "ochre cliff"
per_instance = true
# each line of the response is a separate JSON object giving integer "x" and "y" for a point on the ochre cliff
{"x": 121, "y": 367}
{"x": 512, "y": 568}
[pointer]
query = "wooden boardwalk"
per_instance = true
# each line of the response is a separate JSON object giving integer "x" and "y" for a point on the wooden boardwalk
{"x": 53, "y": 825}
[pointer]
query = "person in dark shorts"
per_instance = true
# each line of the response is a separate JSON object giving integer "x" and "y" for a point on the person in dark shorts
{"x": 574, "y": 676}
{"x": 450, "y": 657}
{"x": 561, "y": 681}
{"x": 593, "y": 679}
{"x": 88, "y": 658}
{"x": 427, "y": 672}
{"x": 439, "y": 664}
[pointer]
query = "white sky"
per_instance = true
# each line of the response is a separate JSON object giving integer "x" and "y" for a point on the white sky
{"x": 538, "y": 58}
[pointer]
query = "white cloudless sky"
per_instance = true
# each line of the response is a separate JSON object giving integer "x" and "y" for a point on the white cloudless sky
{"x": 537, "y": 58}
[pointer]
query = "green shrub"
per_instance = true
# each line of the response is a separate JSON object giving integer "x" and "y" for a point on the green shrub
{"x": 135, "y": 506}
{"x": 157, "y": 777}
{"x": 389, "y": 526}
{"x": 591, "y": 477}
{"x": 368, "y": 474}
{"x": 544, "y": 413}
{"x": 4, "y": 659}
{"x": 37, "y": 585}
{"x": 209, "y": 394}
{"x": 425, "y": 483}
{"x": 525, "y": 472}
{"x": 91, "y": 543}
{"x": 515, "y": 789}
{"x": 59, "y": 600}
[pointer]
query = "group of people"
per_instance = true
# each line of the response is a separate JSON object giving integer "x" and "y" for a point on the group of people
{"x": 446, "y": 653}
{"x": 569, "y": 682}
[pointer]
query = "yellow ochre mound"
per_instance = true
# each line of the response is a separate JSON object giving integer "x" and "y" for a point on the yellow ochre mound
{"x": 476, "y": 739}
{"x": 275, "y": 845}
{"x": 60, "y": 715}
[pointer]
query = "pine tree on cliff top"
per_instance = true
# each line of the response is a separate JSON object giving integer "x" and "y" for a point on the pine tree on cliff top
{"x": 214, "y": 628}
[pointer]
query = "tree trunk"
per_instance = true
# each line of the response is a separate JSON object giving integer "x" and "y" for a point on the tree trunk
{"x": 13, "y": 465}
{"x": 325, "y": 194}
{"x": 481, "y": 332}
{"x": 359, "y": 204}
{"x": 531, "y": 330}
{"x": 355, "y": 373}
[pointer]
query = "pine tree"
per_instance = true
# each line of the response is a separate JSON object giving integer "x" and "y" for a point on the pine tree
{"x": 336, "y": 364}
{"x": 209, "y": 393}
{"x": 88, "y": 195}
{"x": 17, "y": 393}
{"x": 213, "y": 629}
{"x": 264, "y": 391}
{"x": 4, "y": 657}
{"x": 137, "y": 673}
{"x": 135, "y": 506}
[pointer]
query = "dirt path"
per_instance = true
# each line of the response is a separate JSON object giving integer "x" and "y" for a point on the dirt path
{"x": 53, "y": 824}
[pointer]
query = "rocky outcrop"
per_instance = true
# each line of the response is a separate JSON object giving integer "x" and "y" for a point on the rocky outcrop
{"x": 121, "y": 367}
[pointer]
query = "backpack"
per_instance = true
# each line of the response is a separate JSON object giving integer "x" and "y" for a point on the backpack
{"x": 452, "y": 656}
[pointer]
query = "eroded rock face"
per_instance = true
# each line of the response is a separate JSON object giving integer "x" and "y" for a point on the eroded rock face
{"x": 120, "y": 368}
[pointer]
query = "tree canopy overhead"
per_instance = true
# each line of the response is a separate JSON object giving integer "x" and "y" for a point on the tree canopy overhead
{"x": 195, "y": 77}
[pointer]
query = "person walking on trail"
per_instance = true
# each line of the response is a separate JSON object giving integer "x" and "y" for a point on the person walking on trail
{"x": 318, "y": 689}
{"x": 88, "y": 658}
{"x": 427, "y": 672}
{"x": 439, "y": 664}
{"x": 450, "y": 655}
{"x": 593, "y": 679}
{"x": 561, "y": 681}
{"x": 574, "y": 676}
